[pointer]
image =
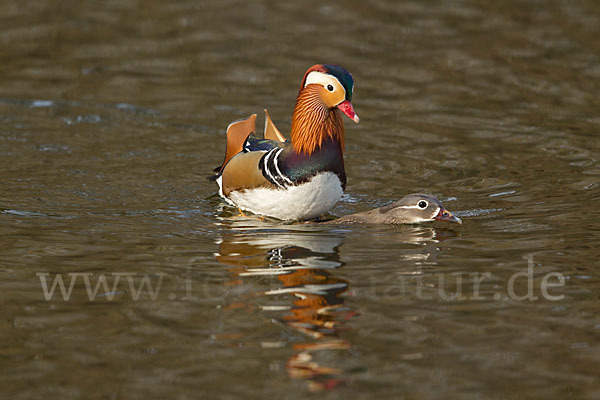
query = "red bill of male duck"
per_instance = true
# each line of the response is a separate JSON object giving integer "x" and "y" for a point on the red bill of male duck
{"x": 301, "y": 178}
{"x": 411, "y": 209}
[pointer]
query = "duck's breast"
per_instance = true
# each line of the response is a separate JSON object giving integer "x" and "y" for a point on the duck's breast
{"x": 304, "y": 201}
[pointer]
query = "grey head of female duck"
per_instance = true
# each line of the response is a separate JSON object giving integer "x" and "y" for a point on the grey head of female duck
{"x": 411, "y": 209}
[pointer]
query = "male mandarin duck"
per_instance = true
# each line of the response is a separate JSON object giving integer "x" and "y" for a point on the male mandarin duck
{"x": 298, "y": 179}
{"x": 411, "y": 209}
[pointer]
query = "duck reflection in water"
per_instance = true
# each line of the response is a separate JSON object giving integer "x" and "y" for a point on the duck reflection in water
{"x": 304, "y": 259}
{"x": 303, "y": 262}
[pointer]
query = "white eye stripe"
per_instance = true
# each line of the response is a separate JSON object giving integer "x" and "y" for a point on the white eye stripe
{"x": 411, "y": 207}
{"x": 319, "y": 78}
{"x": 414, "y": 207}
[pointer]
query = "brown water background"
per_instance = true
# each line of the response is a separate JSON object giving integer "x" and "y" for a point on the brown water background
{"x": 113, "y": 112}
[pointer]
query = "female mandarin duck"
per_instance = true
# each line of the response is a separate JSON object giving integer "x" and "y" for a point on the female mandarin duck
{"x": 411, "y": 209}
{"x": 296, "y": 180}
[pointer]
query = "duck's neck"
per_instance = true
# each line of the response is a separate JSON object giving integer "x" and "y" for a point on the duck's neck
{"x": 313, "y": 122}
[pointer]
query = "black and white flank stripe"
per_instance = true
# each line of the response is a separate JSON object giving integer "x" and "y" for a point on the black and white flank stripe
{"x": 269, "y": 165}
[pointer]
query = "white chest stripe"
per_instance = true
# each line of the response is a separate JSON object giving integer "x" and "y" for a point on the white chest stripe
{"x": 271, "y": 169}
{"x": 268, "y": 172}
{"x": 285, "y": 178}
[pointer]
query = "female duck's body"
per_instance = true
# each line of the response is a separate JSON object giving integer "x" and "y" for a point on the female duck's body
{"x": 411, "y": 209}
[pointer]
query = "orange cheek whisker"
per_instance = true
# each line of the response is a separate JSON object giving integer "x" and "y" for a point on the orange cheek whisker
{"x": 313, "y": 122}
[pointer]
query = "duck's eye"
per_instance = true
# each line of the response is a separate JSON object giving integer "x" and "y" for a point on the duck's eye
{"x": 422, "y": 204}
{"x": 330, "y": 87}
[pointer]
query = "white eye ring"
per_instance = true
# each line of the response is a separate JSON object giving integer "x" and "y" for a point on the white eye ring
{"x": 422, "y": 204}
{"x": 330, "y": 87}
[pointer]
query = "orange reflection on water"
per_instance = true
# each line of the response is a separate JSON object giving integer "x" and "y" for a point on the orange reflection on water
{"x": 305, "y": 263}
